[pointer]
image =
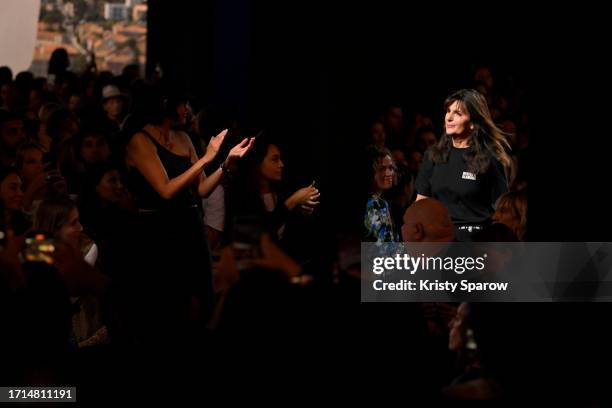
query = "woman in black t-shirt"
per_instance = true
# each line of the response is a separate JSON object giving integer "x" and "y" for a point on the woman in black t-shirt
{"x": 466, "y": 169}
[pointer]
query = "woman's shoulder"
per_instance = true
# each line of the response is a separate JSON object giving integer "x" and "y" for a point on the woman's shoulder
{"x": 139, "y": 137}
{"x": 140, "y": 141}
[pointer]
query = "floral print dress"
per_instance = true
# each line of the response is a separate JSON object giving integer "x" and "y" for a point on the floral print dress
{"x": 378, "y": 225}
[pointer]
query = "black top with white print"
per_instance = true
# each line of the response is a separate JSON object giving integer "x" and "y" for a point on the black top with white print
{"x": 470, "y": 198}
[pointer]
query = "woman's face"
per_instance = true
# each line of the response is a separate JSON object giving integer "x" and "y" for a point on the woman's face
{"x": 11, "y": 193}
{"x": 457, "y": 120}
{"x": 506, "y": 216}
{"x": 183, "y": 113}
{"x": 113, "y": 107}
{"x": 110, "y": 187}
{"x": 271, "y": 168}
{"x": 383, "y": 177}
{"x": 94, "y": 149}
{"x": 70, "y": 231}
{"x": 32, "y": 164}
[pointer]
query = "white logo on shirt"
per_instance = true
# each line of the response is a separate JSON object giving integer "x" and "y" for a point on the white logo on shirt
{"x": 468, "y": 176}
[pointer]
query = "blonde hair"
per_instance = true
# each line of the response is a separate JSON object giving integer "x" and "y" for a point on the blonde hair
{"x": 516, "y": 203}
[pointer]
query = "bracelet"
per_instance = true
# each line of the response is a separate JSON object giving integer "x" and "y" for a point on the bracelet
{"x": 225, "y": 170}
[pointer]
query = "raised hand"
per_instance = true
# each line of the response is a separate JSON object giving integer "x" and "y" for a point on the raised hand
{"x": 307, "y": 198}
{"x": 240, "y": 150}
{"x": 215, "y": 143}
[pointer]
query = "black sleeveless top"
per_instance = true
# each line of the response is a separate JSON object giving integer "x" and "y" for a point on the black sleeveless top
{"x": 146, "y": 197}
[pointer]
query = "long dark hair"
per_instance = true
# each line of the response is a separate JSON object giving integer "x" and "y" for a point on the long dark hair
{"x": 373, "y": 156}
{"x": 251, "y": 163}
{"x": 486, "y": 140}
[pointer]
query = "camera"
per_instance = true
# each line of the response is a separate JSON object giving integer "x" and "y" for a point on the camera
{"x": 39, "y": 248}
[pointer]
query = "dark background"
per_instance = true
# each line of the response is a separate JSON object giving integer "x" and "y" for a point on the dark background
{"x": 317, "y": 73}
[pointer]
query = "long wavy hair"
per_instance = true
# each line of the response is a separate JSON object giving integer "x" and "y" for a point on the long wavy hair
{"x": 486, "y": 140}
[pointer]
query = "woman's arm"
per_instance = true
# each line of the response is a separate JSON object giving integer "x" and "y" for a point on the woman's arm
{"x": 142, "y": 154}
{"x": 420, "y": 197}
{"x": 304, "y": 196}
{"x": 206, "y": 184}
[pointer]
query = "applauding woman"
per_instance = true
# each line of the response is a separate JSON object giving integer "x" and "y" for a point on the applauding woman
{"x": 171, "y": 278}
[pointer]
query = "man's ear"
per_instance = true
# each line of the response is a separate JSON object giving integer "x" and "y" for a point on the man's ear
{"x": 419, "y": 231}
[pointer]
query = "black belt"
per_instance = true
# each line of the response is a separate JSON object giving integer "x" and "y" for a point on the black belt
{"x": 470, "y": 228}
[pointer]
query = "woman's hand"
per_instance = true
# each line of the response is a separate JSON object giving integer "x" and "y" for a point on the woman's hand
{"x": 306, "y": 197}
{"x": 213, "y": 146}
{"x": 239, "y": 151}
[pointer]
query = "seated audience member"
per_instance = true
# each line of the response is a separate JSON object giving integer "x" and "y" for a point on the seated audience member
{"x": 511, "y": 210}
{"x": 11, "y": 202}
{"x": 380, "y": 171}
{"x": 60, "y": 219}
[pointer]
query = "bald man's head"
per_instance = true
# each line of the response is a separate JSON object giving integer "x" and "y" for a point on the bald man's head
{"x": 427, "y": 220}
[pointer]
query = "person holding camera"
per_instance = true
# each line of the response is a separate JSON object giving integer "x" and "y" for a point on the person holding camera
{"x": 259, "y": 192}
{"x": 40, "y": 180}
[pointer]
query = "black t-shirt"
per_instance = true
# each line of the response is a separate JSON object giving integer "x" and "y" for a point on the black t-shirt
{"x": 469, "y": 198}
